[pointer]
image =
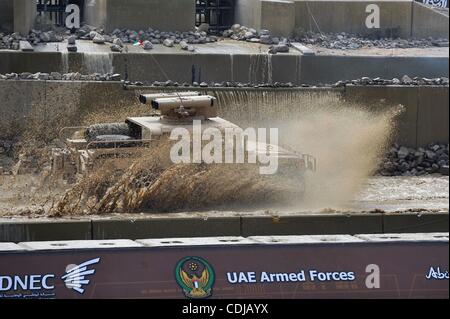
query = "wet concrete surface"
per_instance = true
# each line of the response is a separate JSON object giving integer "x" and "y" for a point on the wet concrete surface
{"x": 228, "y": 46}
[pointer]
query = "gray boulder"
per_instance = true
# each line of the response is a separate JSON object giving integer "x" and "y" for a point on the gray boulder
{"x": 168, "y": 43}
{"x": 147, "y": 45}
{"x": 98, "y": 39}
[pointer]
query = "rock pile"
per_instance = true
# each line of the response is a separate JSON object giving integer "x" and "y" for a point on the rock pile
{"x": 56, "y": 76}
{"x": 405, "y": 80}
{"x": 146, "y": 39}
{"x": 404, "y": 161}
{"x": 170, "y": 83}
{"x": 10, "y": 42}
{"x": 346, "y": 41}
{"x": 243, "y": 33}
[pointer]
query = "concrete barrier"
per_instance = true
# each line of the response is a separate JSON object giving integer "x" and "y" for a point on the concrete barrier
{"x": 311, "y": 224}
{"x": 50, "y": 230}
{"x": 432, "y": 115}
{"x": 285, "y": 69}
{"x": 330, "y": 69}
{"x": 49, "y": 102}
{"x": 428, "y": 23}
{"x": 425, "y": 119}
{"x": 18, "y": 62}
{"x": 211, "y": 68}
{"x": 219, "y": 67}
{"x": 154, "y": 227}
{"x": 415, "y": 223}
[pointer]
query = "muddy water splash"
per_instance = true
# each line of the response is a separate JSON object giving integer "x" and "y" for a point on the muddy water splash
{"x": 347, "y": 140}
{"x": 153, "y": 183}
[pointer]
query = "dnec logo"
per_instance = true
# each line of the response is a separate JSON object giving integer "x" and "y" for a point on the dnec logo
{"x": 40, "y": 285}
{"x": 195, "y": 276}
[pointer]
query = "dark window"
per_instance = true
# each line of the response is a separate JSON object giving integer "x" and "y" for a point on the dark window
{"x": 219, "y": 14}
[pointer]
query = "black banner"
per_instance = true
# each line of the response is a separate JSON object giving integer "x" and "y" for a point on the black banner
{"x": 357, "y": 270}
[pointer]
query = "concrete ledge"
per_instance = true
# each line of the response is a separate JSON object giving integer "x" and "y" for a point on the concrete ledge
{"x": 302, "y": 48}
{"x": 314, "y": 239}
{"x": 156, "y": 230}
{"x": 79, "y": 244}
{"x": 12, "y": 231}
{"x": 166, "y": 228}
{"x": 311, "y": 224}
{"x": 419, "y": 237}
{"x": 415, "y": 223}
{"x": 9, "y": 247}
{"x": 182, "y": 242}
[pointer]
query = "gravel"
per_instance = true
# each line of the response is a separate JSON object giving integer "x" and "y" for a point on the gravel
{"x": 56, "y": 76}
{"x": 405, "y": 161}
{"x": 347, "y": 41}
{"x": 242, "y": 33}
{"x": 405, "y": 80}
{"x": 340, "y": 41}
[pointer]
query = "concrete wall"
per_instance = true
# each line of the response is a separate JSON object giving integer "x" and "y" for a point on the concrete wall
{"x": 427, "y": 22}
{"x": 432, "y": 115}
{"x": 426, "y": 116}
{"x": 350, "y": 16}
{"x": 24, "y": 15}
{"x": 403, "y": 18}
{"x": 330, "y": 69}
{"x": 55, "y": 104}
{"x": 246, "y": 68}
{"x": 6, "y": 15}
{"x": 172, "y": 227}
{"x": 425, "y": 120}
{"x": 164, "y": 15}
{"x": 95, "y": 13}
{"x": 278, "y": 17}
{"x": 248, "y": 13}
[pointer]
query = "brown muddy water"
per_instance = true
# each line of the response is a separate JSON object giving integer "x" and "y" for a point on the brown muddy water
{"x": 347, "y": 139}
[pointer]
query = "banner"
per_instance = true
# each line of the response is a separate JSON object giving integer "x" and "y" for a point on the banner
{"x": 355, "y": 270}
